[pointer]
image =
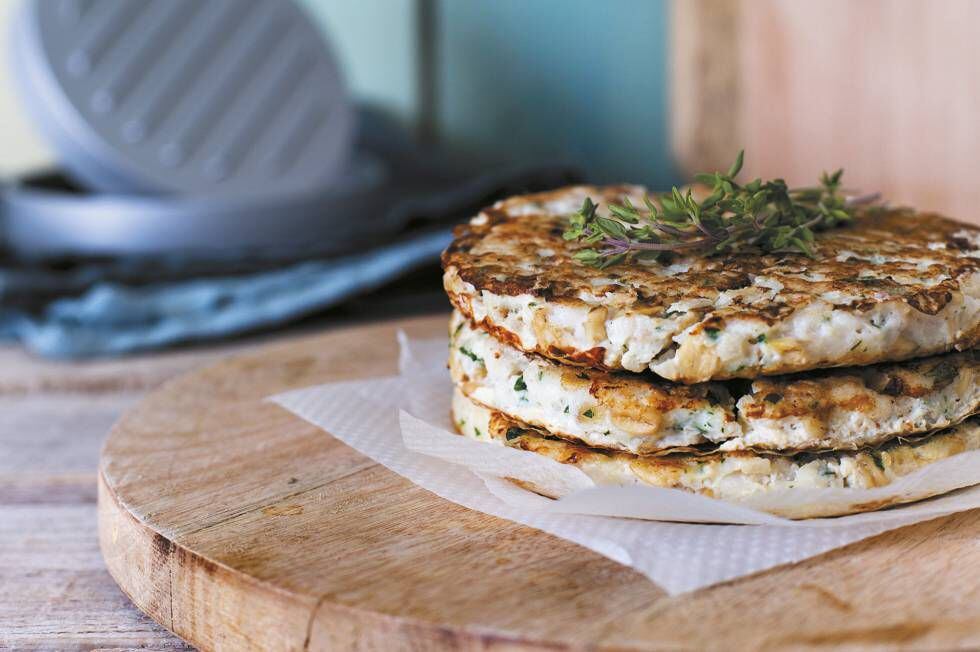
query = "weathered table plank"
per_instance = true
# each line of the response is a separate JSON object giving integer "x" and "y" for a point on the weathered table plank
{"x": 54, "y": 417}
{"x": 56, "y": 591}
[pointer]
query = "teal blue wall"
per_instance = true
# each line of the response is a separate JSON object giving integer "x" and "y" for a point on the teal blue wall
{"x": 523, "y": 80}
{"x": 375, "y": 41}
{"x": 584, "y": 79}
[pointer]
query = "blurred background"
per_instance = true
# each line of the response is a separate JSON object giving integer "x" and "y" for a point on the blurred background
{"x": 508, "y": 79}
{"x": 452, "y": 105}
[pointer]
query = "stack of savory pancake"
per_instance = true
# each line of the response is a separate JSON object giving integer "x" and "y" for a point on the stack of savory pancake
{"x": 728, "y": 375}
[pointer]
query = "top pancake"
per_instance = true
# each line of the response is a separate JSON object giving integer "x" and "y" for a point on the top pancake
{"x": 893, "y": 285}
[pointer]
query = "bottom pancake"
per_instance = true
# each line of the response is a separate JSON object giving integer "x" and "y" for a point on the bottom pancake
{"x": 737, "y": 476}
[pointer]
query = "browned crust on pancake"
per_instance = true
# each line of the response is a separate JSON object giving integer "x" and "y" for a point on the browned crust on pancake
{"x": 811, "y": 395}
{"x": 898, "y": 231}
{"x": 540, "y": 441}
{"x": 877, "y": 467}
{"x": 498, "y": 332}
{"x": 499, "y": 253}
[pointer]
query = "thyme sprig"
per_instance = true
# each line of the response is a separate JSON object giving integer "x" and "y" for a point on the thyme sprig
{"x": 765, "y": 216}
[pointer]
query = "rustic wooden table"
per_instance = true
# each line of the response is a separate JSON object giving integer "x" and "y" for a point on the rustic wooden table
{"x": 56, "y": 592}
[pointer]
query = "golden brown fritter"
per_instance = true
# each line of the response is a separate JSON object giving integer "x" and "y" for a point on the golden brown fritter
{"x": 894, "y": 285}
{"x": 742, "y": 477}
{"x": 826, "y": 409}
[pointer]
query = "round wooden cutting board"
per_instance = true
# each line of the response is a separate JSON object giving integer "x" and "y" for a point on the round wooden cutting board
{"x": 238, "y": 526}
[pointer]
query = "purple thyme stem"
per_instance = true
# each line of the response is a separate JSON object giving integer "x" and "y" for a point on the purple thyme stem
{"x": 671, "y": 230}
{"x": 703, "y": 229}
{"x": 615, "y": 247}
{"x": 626, "y": 245}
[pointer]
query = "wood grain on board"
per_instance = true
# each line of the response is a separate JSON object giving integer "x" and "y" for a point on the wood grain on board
{"x": 887, "y": 89}
{"x": 237, "y": 525}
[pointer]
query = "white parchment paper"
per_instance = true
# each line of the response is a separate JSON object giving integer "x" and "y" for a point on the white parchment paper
{"x": 403, "y": 422}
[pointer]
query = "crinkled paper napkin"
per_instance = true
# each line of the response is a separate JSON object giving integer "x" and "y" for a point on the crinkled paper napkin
{"x": 403, "y": 422}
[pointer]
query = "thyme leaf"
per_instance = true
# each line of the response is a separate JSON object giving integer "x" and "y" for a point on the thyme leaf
{"x": 766, "y": 216}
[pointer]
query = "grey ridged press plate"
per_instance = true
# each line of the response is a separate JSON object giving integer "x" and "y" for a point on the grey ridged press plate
{"x": 185, "y": 96}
